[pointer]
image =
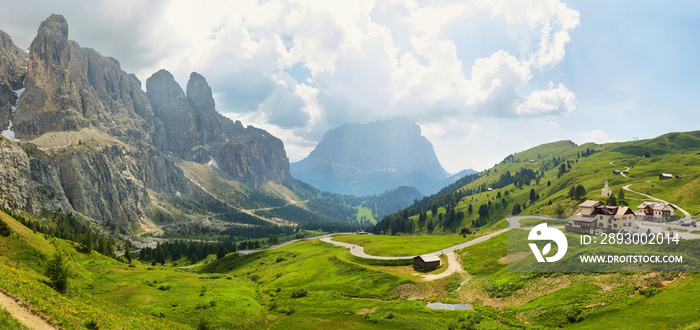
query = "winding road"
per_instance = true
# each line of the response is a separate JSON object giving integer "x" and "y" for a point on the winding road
{"x": 454, "y": 265}
{"x": 358, "y": 251}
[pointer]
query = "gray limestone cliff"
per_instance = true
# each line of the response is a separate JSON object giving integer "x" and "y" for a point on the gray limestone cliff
{"x": 130, "y": 141}
{"x": 197, "y": 132}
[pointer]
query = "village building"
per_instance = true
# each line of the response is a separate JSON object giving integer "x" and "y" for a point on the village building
{"x": 655, "y": 211}
{"x": 616, "y": 172}
{"x": 665, "y": 176}
{"x": 595, "y": 218}
{"x": 426, "y": 262}
{"x": 606, "y": 190}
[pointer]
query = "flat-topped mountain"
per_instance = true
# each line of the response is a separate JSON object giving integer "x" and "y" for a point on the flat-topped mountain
{"x": 367, "y": 159}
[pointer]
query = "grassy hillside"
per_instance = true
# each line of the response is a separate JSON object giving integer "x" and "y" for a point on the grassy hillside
{"x": 494, "y": 193}
{"x": 315, "y": 285}
{"x": 254, "y": 291}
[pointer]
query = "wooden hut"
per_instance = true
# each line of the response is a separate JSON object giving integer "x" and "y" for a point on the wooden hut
{"x": 426, "y": 262}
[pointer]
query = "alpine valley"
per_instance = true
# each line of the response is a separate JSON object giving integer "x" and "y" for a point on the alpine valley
{"x": 84, "y": 138}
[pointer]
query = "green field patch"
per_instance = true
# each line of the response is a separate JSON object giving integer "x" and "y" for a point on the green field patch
{"x": 382, "y": 245}
{"x": 487, "y": 257}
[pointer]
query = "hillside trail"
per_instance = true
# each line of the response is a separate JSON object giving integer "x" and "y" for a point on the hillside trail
{"x": 251, "y": 212}
{"x": 22, "y": 313}
{"x": 621, "y": 173}
{"x": 626, "y": 187}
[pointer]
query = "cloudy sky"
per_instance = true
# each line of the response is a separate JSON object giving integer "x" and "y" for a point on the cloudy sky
{"x": 482, "y": 78}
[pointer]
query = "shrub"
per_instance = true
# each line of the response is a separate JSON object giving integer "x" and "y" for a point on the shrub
{"x": 573, "y": 315}
{"x": 203, "y": 325}
{"x": 470, "y": 320}
{"x": 390, "y": 315}
{"x": 5, "y": 230}
{"x": 91, "y": 325}
{"x": 164, "y": 287}
{"x": 286, "y": 310}
{"x": 299, "y": 293}
{"x": 452, "y": 286}
{"x": 648, "y": 292}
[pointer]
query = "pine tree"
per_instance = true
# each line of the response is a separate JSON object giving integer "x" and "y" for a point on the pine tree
{"x": 580, "y": 192}
{"x": 102, "y": 245}
{"x": 57, "y": 272}
{"x": 222, "y": 252}
{"x": 127, "y": 252}
{"x": 516, "y": 209}
{"x": 87, "y": 241}
{"x": 110, "y": 248}
{"x": 621, "y": 196}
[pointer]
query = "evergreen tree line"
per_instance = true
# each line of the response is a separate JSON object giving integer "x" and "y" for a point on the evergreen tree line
{"x": 68, "y": 227}
{"x": 450, "y": 199}
{"x": 193, "y": 251}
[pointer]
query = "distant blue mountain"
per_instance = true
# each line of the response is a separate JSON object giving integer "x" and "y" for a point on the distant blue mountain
{"x": 369, "y": 159}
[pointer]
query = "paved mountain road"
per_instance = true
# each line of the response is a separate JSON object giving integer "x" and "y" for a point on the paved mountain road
{"x": 358, "y": 251}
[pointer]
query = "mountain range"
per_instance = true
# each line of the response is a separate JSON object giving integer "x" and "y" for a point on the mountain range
{"x": 81, "y": 135}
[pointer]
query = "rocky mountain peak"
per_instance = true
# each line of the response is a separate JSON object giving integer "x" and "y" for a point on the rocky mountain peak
{"x": 172, "y": 107}
{"x": 55, "y": 24}
{"x": 13, "y": 63}
{"x": 199, "y": 92}
{"x": 367, "y": 159}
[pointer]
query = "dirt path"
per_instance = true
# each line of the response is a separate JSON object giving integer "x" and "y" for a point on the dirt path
{"x": 453, "y": 266}
{"x": 22, "y": 313}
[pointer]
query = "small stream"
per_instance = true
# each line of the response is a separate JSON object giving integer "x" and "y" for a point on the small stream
{"x": 453, "y": 307}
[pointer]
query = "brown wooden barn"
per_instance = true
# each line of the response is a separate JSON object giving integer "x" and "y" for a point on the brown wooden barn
{"x": 426, "y": 262}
